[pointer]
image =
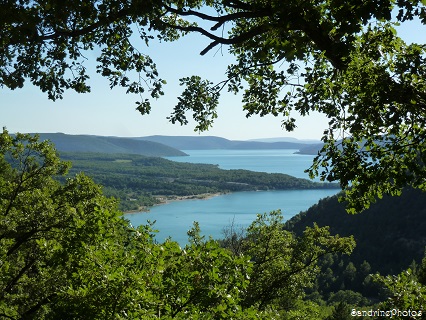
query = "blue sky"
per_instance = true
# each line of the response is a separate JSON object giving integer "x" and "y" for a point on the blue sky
{"x": 112, "y": 112}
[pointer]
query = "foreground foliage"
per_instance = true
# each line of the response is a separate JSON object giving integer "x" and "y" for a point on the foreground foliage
{"x": 67, "y": 252}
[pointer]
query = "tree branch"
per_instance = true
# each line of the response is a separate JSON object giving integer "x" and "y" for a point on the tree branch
{"x": 220, "y": 19}
{"x": 220, "y": 40}
{"x": 28, "y": 314}
{"x": 13, "y": 282}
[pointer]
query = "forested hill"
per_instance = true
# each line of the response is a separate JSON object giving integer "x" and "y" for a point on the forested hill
{"x": 207, "y": 143}
{"x": 137, "y": 180}
{"x": 88, "y": 143}
{"x": 389, "y": 235}
{"x": 311, "y": 149}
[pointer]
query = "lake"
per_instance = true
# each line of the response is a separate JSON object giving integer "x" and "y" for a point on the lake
{"x": 175, "y": 218}
{"x": 271, "y": 161}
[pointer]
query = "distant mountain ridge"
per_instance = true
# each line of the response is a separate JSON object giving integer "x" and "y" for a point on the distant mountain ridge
{"x": 286, "y": 139}
{"x": 313, "y": 149}
{"x": 212, "y": 142}
{"x": 101, "y": 144}
{"x": 163, "y": 146}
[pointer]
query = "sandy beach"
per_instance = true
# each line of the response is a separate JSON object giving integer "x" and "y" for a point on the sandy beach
{"x": 168, "y": 199}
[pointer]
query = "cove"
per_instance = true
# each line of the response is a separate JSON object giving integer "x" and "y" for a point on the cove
{"x": 175, "y": 218}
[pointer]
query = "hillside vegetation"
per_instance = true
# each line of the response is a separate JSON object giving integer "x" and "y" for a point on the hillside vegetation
{"x": 390, "y": 237}
{"x": 139, "y": 181}
{"x": 311, "y": 149}
{"x": 88, "y": 143}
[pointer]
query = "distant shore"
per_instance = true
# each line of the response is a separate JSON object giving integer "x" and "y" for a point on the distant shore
{"x": 168, "y": 199}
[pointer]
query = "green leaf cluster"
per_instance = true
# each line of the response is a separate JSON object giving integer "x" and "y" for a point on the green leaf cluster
{"x": 406, "y": 294}
{"x": 47, "y": 43}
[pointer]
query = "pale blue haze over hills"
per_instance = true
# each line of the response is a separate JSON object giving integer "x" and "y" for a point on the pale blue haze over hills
{"x": 164, "y": 145}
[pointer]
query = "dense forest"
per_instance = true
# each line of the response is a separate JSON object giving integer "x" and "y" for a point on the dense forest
{"x": 390, "y": 237}
{"x": 139, "y": 181}
{"x": 66, "y": 252}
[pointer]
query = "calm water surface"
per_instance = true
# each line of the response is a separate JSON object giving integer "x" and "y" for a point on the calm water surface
{"x": 176, "y": 218}
{"x": 271, "y": 161}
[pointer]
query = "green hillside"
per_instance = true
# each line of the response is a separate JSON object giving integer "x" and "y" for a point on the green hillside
{"x": 390, "y": 238}
{"x": 389, "y": 235}
{"x": 88, "y": 143}
{"x": 136, "y": 180}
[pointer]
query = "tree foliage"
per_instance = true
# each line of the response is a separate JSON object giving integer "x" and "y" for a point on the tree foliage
{"x": 407, "y": 296}
{"x": 46, "y": 42}
{"x": 284, "y": 265}
{"x": 343, "y": 59}
{"x": 48, "y": 230}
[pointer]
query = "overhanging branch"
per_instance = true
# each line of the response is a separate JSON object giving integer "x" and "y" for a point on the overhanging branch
{"x": 221, "y": 40}
{"x": 220, "y": 19}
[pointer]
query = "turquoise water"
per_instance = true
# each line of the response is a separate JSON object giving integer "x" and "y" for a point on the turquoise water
{"x": 176, "y": 218}
{"x": 214, "y": 214}
{"x": 271, "y": 161}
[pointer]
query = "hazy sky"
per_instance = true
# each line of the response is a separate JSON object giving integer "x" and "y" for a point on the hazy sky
{"x": 112, "y": 112}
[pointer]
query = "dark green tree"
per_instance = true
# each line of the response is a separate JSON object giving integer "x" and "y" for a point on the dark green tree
{"x": 350, "y": 272}
{"x": 422, "y": 271}
{"x": 342, "y": 311}
{"x": 285, "y": 265}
